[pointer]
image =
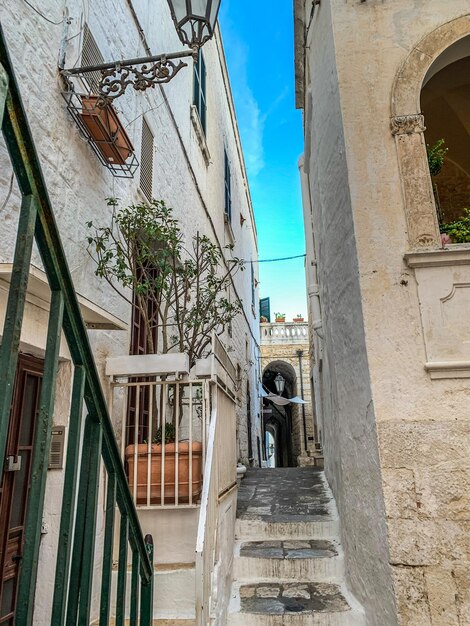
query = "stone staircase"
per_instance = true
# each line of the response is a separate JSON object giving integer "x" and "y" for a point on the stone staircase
{"x": 288, "y": 562}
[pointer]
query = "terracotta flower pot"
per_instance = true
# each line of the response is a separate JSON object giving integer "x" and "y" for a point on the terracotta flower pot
{"x": 298, "y": 319}
{"x": 280, "y": 320}
{"x": 169, "y": 472}
{"x": 106, "y": 130}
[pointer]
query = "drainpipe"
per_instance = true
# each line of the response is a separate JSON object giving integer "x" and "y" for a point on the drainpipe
{"x": 299, "y": 354}
{"x": 313, "y": 288}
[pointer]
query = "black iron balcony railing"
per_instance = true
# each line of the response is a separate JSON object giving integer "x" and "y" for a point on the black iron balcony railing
{"x": 76, "y": 557}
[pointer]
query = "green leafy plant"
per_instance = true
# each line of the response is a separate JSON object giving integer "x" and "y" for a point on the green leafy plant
{"x": 279, "y": 315}
{"x": 181, "y": 291}
{"x": 170, "y": 434}
{"x": 436, "y": 156}
{"x": 459, "y": 230}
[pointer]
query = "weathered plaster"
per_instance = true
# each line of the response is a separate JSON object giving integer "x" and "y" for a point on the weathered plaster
{"x": 372, "y": 204}
{"x": 78, "y": 186}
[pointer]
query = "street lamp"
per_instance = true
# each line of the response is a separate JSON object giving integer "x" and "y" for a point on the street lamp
{"x": 195, "y": 24}
{"x": 194, "y": 20}
{"x": 280, "y": 383}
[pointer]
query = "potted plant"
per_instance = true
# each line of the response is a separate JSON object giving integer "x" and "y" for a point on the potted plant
{"x": 163, "y": 456}
{"x": 104, "y": 127}
{"x": 263, "y": 319}
{"x": 299, "y": 318}
{"x": 280, "y": 317}
{"x": 457, "y": 231}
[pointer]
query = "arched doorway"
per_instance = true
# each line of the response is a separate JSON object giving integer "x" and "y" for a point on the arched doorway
{"x": 278, "y": 420}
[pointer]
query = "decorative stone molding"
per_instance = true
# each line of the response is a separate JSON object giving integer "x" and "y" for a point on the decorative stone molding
{"x": 448, "y": 369}
{"x": 407, "y": 124}
{"x": 409, "y": 80}
{"x": 443, "y": 280}
{"x": 455, "y": 254}
{"x": 420, "y": 210}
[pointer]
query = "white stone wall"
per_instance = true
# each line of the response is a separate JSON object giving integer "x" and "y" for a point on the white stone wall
{"x": 396, "y": 439}
{"x": 78, "y": 184}
{"x": 349, "y": 434}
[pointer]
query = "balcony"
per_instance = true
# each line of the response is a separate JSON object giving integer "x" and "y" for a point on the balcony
{"x": 164, "y": 413}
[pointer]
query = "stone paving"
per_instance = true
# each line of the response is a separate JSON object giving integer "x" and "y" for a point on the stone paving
{"x": 288, "y": 549}
{"x": 292, "y": 598}
{"x": 284, "y": 495}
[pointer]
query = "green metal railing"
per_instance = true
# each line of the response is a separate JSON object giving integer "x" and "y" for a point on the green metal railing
{"x": 75, "y": 559}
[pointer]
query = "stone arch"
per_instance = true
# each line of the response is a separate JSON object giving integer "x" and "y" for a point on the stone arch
{"x": 283, "y": 421}
{"x": 412, "y": 74}
{"x": 408, "y": 126}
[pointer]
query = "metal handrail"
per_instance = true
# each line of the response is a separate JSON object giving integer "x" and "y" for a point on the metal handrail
{"x": 76, "y": 547}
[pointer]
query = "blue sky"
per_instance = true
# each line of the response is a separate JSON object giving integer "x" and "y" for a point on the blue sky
{"x": 259, "y": 48}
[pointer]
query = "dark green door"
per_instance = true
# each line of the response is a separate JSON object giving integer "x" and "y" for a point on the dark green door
{"x": 15, "y": 480}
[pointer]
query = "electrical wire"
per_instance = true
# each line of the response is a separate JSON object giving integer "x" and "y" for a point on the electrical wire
{"x": 143, "y": 113}
{"x": 286, "y": 258}
{"x": 31, "y": 6}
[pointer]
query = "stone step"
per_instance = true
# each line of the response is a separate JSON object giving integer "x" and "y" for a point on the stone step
{"x": 318, "y": 560}
{"x": 260, "y": 529}
{"x": 296, "y": 604}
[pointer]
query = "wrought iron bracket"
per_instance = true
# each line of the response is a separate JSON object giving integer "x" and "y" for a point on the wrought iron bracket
{"x": 141, "y": 73}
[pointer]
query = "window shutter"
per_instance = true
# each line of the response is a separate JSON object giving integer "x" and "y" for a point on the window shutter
{"x": 227, "y": 185}
{"x": 146, "y": 161}
{"x": 91, "y": 55}
{"x": 199, "y": 94}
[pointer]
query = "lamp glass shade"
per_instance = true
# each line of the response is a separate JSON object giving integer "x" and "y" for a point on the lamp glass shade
{"x": 194, "y": 20}
{"x": 280, "y": 383}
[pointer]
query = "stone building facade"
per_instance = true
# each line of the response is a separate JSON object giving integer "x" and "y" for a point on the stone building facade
{"x": 388, "y": 302}
{"x": 285, "y": 350}
{"x": 186, "y": 166}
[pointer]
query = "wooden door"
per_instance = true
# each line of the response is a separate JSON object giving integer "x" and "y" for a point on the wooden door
{"x": 15, "y": 480}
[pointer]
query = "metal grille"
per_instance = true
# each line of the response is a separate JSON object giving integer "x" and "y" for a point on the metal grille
{"x": 146, "y": 161}
{"x": 91, "y": 55}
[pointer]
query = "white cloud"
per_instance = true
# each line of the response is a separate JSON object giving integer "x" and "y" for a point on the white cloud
{"x": 250, "y": 119}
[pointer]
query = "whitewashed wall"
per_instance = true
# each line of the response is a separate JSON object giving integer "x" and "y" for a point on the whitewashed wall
{"x": 78, "y": 184}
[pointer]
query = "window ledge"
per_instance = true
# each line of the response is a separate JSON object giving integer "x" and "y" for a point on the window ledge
{"x": 142, "y": 196}
{"x": 228, "y": 228}
{"x": 200, "y": 134}
{"x": 453, "y": 254}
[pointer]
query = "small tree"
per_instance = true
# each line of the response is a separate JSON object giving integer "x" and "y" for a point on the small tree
{"x": 436, "y": 158}
{"x": 180, "y": 292}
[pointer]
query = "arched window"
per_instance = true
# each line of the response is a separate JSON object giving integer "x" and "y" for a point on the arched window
{"x": 425, "y": 85}
{"x": 445, "y": 103}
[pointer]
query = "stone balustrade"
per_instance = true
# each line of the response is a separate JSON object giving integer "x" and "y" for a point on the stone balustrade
{"x": 284, "y": 333}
